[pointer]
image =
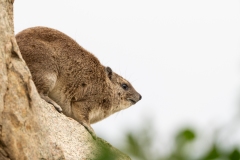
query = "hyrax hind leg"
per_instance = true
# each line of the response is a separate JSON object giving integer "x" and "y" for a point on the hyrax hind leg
{"x": 45, "y": 82}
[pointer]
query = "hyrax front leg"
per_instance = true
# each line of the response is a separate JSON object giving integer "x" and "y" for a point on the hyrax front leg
{"x": 81, "y": 114}
{"x": 45, "y": 82}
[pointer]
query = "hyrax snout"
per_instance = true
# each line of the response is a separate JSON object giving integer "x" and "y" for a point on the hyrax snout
{"x": 72, "y": 79}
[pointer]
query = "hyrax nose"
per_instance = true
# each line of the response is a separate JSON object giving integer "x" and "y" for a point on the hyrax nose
{"x": 140, "y": 97}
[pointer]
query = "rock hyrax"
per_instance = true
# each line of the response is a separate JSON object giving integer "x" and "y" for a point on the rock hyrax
{"x": 72, "y": 79}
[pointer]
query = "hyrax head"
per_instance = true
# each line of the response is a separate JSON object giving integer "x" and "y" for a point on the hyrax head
{"x": 124, "y": 95}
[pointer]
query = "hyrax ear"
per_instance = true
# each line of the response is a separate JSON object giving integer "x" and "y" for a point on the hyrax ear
{"x": 109, "y": 72}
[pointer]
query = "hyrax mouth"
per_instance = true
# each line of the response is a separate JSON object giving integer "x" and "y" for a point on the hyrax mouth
{"x": 132, "y": 101}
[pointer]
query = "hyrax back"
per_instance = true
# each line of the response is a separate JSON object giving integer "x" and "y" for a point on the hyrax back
{"x": 71, "y": 78}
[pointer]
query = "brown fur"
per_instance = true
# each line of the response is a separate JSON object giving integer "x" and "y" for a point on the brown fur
{"x": 67, "y": 75}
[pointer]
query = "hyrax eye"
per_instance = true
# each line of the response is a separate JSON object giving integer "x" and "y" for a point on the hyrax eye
{"x": 125, "y": 86}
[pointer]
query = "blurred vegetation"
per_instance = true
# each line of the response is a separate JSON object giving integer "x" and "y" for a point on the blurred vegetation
{"x": 139, "y": 146}
{"x": 107, "y": 152}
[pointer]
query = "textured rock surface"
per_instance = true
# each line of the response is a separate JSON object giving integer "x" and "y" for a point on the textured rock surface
{"x": 30, "y": 128}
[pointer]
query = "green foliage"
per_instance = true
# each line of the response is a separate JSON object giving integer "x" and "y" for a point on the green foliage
{"x": 234, "y": 155}
{"x": 106, "y": 154}
{"x": 187, "y": 135}
{"x": 216, "y": 153}
{"x": 134, "y": 147}
{"x": 213, "y": 153}
{"x": 183, "y": 138}
{"x": 139, "y": 146}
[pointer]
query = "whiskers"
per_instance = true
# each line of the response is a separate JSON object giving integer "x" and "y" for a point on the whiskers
{"x": 130, "y": 77}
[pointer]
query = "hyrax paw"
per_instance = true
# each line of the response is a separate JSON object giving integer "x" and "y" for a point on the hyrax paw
{"x": 58, "y": 108}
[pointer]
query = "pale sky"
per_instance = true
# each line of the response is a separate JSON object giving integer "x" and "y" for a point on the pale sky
{"x": 181, "y": 56}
